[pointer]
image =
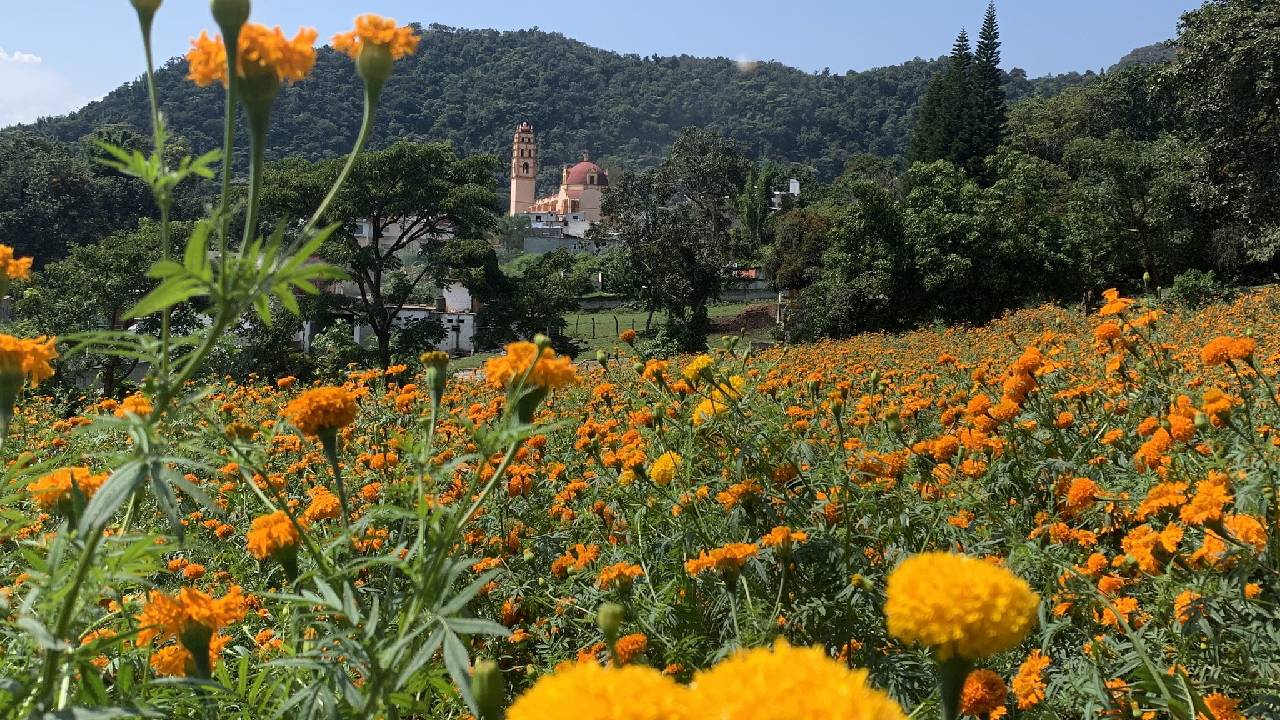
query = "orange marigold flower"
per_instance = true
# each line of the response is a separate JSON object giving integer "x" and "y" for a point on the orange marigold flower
{"x": 260, "y": 51}
{"x": 1248, "y": 530}
{"x": 1206, "y": 506}
{"x": 54, "y": 488}
{"x": 628, "y": 647}
{"x": 14, "y": 268}
{"x": 1163, "y": 496}
{"x": 1081, "y": 494}
{"x": 171, "y": 616}
{"x": 1114, "y": 303}
{"x": 1028, "y": 684}
{"x": 377, "y": 30}
{"x": 1222, "y": 707}
{"x": 324, "y": 505}
{"x": 550, "y": 372}
{"x": 727, "y": 560}
{"x": 1187, "y": 605}
{"x": 1223, "y": 350}
{"x": 983, "y": 693}
{"x": 135, "y": 404}
{"x": 627, "y": 336}
{"x": 620, "y": 575}
{"x": 23, "y": 359}
{"x": 1107, "y": 332}
{"x": 322, "y": 409}
{"x": 783, "y": 537}
{"x": 271, "y": 533}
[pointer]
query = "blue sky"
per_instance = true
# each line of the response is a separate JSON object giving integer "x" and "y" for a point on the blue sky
{"x": 57, "y": 54}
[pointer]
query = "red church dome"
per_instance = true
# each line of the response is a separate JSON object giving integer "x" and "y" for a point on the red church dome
{"x": 582, "y": 173}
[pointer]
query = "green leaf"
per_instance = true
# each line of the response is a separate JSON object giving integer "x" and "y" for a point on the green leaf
{"x": 459, "y": 667}
{"x": 122, "y": 483}
{"x": 170, "y": 292}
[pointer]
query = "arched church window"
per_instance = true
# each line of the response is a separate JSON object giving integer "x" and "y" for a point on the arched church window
{"x": 526, "y": 168}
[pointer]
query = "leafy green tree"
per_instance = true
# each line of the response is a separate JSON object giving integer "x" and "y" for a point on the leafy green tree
{"x": 943, "y": 230}
{"x": 533, "y": 299}
{"x": 53, "y": 196}
{"x": 92, "y": 289}
{"x": 397, "y": 204}
{"x": 754, "y": 205}
{"x": 1226, "y": 81}
{"x": 800, "y": 238}
{"x": 864, "y": 280}
{"x": 1138, "y": 201}
{"x": 675, "y": 223}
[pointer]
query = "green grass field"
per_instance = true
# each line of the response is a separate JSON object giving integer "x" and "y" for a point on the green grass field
{"x": 599, "y": 330}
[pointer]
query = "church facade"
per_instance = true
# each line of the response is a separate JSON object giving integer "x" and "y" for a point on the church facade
{"x": 582, "y": 185}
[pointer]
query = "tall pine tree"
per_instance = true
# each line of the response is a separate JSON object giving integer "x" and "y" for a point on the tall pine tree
{"x": 962, "y": 115}
{"x": 990, "y": 105}
{"x": 943, "y": 130}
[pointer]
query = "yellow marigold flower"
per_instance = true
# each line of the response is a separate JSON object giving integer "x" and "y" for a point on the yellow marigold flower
{"x": 983, "y": 693}
{"x": 14, "y": 268}
{"x": 260, "y": 51}
{"x": 322, "y": 409}
{"x": 785, "y": 683}
{"x": 27, "y": 359}
{"x": 960, "y": 606}
{"x": 1028, "y": 684}
{"x": 378, "y": 30}
{"x": 54, "y": 488}
{"x": 550, "y": 372}
{"x": 1223, "y": 350}
{"x": 697, "y": 367}
{"x": 663, "y": 470}
{"x": 271, "y": 533}
{"x": 587, "y": 691}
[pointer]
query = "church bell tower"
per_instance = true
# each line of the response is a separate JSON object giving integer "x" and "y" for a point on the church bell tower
{"x": 524, "y": 169}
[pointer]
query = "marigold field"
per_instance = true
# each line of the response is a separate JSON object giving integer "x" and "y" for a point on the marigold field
{"x": 1122, "y": 462}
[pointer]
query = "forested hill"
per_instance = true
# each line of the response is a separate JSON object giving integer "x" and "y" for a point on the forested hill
{"x": 473, "y": 86}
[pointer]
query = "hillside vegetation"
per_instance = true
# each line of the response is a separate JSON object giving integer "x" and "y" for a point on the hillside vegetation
{"x": 471, "y": 87}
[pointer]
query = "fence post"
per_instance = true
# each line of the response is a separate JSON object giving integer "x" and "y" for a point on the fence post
{"x": 593, "y": 327}
{"x": 617, "y": 330}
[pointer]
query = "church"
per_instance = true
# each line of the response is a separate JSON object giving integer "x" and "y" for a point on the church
{"x": 582, "y": 185}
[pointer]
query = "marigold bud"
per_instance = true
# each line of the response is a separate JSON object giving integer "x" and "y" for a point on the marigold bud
{"x": 610, "y": 619}
{"x": 489, "y": 690}
{"x": 230, "y": 14}
{"x": 374, "y": 65}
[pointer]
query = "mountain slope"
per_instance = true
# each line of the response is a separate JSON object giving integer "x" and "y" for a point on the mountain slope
{"x": 472, "y": 86}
